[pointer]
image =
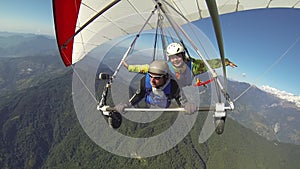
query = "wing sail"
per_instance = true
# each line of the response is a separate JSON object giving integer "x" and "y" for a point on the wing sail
{"x": 71, "y": 15}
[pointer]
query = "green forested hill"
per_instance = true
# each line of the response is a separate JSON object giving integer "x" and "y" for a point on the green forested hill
{"x": 39, "y": 129}
{"x": 25, "y": 72}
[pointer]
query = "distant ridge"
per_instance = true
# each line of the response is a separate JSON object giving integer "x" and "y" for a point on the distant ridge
{"x": 20, "y": 45}
{"x": 283, "y": 95}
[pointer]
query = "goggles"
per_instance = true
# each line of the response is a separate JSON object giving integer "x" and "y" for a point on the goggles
{"x": 156, "y": 77}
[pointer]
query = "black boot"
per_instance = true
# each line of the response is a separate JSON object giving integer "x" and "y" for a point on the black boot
{"x": 220, "y": 125}
{"x": 115, "y": 120}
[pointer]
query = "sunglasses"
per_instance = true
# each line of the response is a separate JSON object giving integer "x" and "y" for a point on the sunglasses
{"x": 156, "y": 77}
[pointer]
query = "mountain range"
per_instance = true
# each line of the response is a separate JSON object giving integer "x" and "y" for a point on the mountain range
{"x": 282, "y": 94}
{"x": 39, "y": 127}
{"x": 265, "y": 113}
{"x": 20, "y": 45}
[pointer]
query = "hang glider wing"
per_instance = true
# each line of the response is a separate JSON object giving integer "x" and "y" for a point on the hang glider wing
{"x": 82, "y": 25}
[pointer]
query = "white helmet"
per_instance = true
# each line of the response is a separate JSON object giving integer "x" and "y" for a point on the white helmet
{"x": 174, "y": 48}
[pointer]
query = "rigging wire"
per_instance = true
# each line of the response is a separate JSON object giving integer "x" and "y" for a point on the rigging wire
{"x": 269, "y": 68}
{"x": 156, "y": 37}
{"x": 162, "y": 36}
{"x": 83, "y": 83}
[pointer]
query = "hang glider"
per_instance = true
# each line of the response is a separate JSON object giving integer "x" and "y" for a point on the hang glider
{"x": 82, "y": 25}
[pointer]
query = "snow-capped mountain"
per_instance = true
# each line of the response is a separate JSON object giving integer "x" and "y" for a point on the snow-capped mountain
{"x": 282, "y": 94}
{"x": 269, "y": 112}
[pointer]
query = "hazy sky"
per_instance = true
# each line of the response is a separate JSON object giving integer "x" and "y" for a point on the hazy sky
{"x": 29, "y": 16}
{"x": 264, "y": 44}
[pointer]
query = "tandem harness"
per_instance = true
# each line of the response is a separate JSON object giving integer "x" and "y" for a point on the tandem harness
{"x": 162, "y": 101}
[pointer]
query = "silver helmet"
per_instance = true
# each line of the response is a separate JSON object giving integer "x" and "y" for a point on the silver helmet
{"x": 159, "y": 67}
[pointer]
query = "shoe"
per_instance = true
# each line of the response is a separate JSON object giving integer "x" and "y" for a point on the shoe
{"x": 115, "y": 120}
{"x": 220, "y": 125}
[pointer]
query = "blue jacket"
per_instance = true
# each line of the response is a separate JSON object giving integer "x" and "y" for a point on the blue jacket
{"x": 160, "y": 101}
{"x": 171, "y": 91}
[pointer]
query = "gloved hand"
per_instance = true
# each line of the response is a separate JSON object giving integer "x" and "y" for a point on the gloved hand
{"x": 232, "y": 65}
{"x": 229, "y": 63}
{"x": 120, "y": 107}
{"x": 190, "y": 108}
